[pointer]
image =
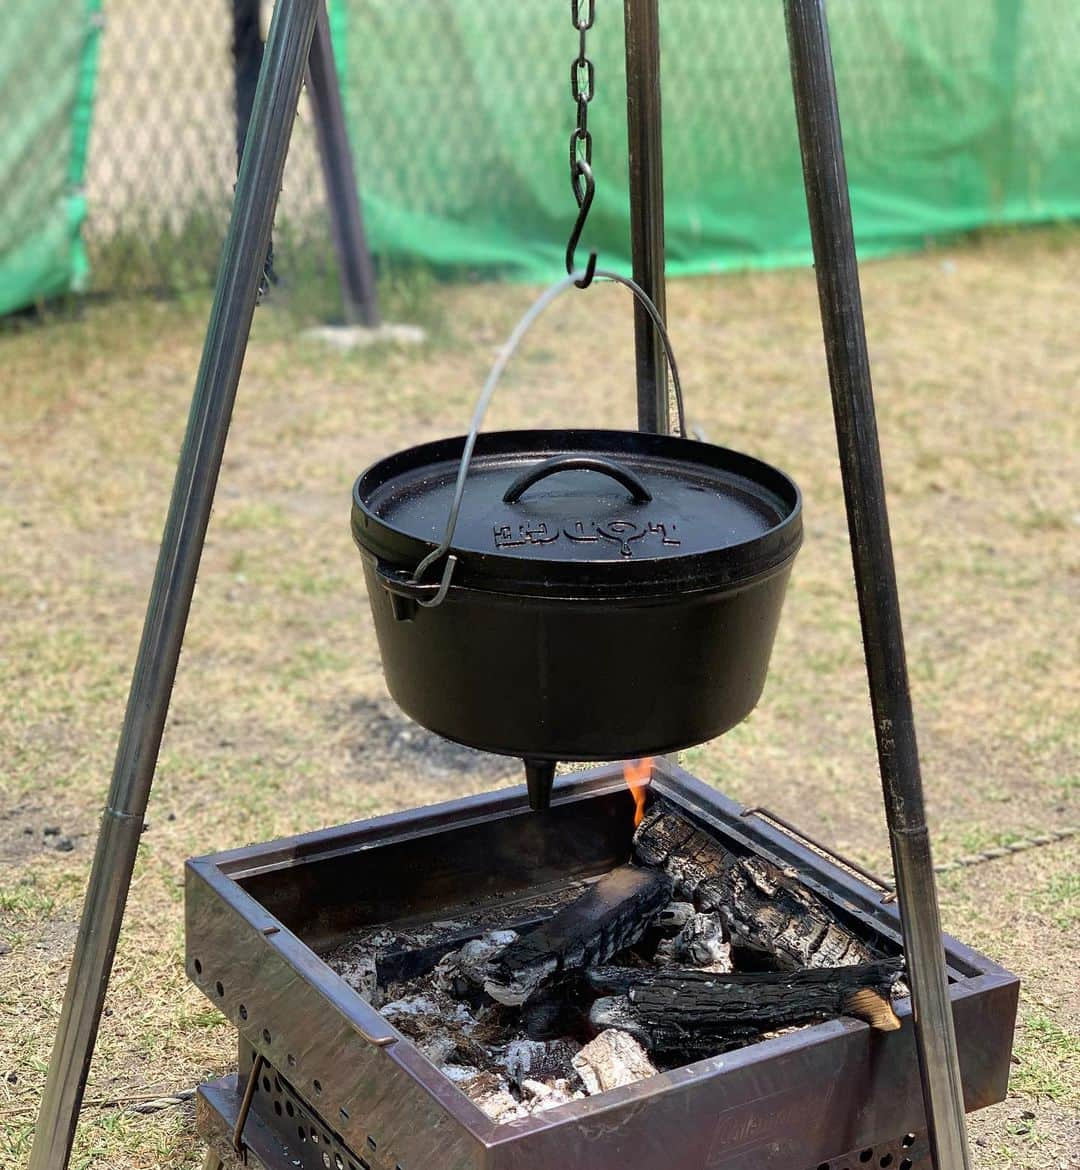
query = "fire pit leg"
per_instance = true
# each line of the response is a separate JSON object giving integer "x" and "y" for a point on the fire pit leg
{"x": 239, "y": 274}
{"x": 833, "y": 238}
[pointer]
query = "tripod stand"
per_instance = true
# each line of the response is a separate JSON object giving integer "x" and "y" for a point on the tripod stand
{"x": 285, "y": 60}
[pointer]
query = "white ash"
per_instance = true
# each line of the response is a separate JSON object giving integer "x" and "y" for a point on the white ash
{"x": 448, "y": 1010}
{"x": 359, "y": 973}
{"x": 542, "y": 1095}
{"x": 357, "y": 965}
{"x": 468, "y": 966}
{"x": 613, "y": 1059}
{"x": 674, "y": 916}
{"x": 492, "y": 1094}
{"x": 700, "y": 943}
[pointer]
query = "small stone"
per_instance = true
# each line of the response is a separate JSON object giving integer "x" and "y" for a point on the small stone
{"x": 13, "y": 1077}
{"x": 347, "y": 337}
{"x": 28, "y": 830}
{"x": 171, "y": 817}
{"x": 64, "y": 845}
{"x": 51, "y": 830}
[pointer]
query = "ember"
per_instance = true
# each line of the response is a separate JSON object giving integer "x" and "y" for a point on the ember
{"x": 637, "y": 971}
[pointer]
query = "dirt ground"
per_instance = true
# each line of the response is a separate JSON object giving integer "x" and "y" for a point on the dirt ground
{"x": 280, "y": 721}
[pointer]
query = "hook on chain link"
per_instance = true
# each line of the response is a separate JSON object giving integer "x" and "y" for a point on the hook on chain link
{"x": 584, "y": 198}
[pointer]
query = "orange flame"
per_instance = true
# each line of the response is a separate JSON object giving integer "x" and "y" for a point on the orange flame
{"x": 637, "y": 774}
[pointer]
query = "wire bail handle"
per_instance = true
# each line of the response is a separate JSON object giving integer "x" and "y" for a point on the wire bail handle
{"x": 529, "y": 318}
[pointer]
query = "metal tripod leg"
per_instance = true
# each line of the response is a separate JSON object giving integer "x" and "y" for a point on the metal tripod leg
{"x": 642, "y": 20}
{"x": 875, "y": 575}
{"x": 239, "y": 273}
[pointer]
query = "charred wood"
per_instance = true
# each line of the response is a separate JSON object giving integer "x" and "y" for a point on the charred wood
{"x": 690, "y": 857}
{"x": 612, "y": 914}
{"x": 774, "y": 921}
{"x": 663, "y": 1040}
{"x": 531, "y": 1060}
{"x": 406, "y": 962}
{"x": 686, "y": 1010}
{"x": 700, "y": 943}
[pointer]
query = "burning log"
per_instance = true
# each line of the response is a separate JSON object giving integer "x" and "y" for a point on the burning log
{"x": 614, "y": 1058}
{"x": 769, "y": 917}
{"x": 692, "y": 859}
{"x": 612, "y": 914}
{"x": 696, "y": 1011}
{"x": 772, "y": 920}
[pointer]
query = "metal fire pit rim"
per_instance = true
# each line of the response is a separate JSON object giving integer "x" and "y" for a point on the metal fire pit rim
{"x": 223, "y": 873}
{"x": 458, "y": 812}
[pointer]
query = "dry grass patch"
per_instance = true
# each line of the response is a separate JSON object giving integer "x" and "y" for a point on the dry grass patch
{"x": 280, "y": 722}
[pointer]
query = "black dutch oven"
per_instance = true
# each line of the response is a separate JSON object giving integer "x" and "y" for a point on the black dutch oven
{"x": 604, "y": 595}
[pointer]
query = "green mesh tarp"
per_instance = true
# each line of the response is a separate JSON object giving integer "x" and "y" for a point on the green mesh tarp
{"x": 956, "y": 115}
{"x": 47, "y": 63}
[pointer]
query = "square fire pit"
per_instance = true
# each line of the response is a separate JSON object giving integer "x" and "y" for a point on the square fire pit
{"x": 339, "y": 1087}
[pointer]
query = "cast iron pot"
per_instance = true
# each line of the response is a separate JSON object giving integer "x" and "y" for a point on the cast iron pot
{"x": 606, "y": 594}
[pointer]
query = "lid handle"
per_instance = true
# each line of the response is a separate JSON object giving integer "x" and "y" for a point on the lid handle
{"x": 638, "y": 491}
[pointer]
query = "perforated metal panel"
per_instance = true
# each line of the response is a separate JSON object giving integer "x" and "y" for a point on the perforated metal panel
{"x": 309, "y": 1142}
{"x": 909, "y": 1152}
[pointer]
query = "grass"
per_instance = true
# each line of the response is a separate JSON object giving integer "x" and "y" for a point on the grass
{"x": 1049, "y": 1059}
{"x": 976, "y": 369}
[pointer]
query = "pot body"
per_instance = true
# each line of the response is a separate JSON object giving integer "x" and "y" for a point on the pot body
{"x": 553, "y": 678}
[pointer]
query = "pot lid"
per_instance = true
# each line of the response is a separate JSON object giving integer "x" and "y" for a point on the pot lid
{"x": 585, "y": 508}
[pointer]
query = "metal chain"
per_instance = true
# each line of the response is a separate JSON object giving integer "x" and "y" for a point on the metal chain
{"x": 1022, "y": 845}
{"x": 582, "y": 91}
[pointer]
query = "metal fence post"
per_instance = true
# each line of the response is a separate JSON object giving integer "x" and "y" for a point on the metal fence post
{"x": 355, "y": 268}
{"x": 829, "y": 206}
{"x": 239, "y": 274}
{"x": 247, "y": 55}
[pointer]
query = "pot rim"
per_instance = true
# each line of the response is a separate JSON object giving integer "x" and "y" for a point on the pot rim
{"x": 728, "y": 566}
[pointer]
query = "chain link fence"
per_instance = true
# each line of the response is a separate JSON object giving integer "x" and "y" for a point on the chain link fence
{"x": 956, "y": 116}
{"x": 163, "y": 154}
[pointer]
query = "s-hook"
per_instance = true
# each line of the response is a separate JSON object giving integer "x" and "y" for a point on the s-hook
{"x": 582, "y": 170}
